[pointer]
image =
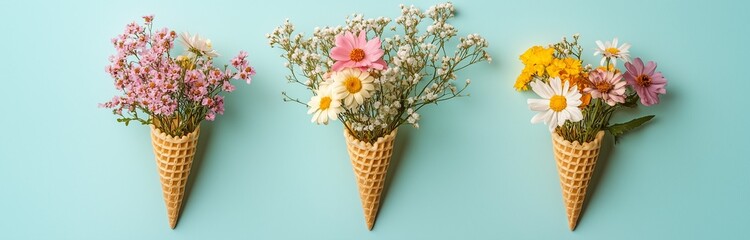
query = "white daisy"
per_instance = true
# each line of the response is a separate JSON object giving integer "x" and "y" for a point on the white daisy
{"x": 353, "y": 85}
{"x": 326, "y": 83}
{"x": 559, "y": 103}
{"x": 195, "y": 45}
{"x": 611, "y": 50}
{"x": 324, "y": 106}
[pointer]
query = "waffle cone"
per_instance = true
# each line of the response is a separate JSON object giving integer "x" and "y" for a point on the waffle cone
{"x": 575, "y": 165}
{"x": 370, "y": 163}
{"x": 174, "y": 158}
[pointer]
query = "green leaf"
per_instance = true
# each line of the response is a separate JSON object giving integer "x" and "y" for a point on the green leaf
{"x": 631, "y": 101}
{"x": 124, "y": 120}
{"x": 619, "y": 129}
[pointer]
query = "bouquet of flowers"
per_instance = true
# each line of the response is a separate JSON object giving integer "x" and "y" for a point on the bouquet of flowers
{"x": 577, "y": 102}
{"x": 171, "y": 94}
{"x": 374, "y": 80}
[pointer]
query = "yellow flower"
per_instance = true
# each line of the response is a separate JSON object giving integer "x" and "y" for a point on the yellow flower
{"x": 185, "y": 62}
{"x": 523, "y": 80}
{"x": 535, "y": 60}
{"x": 565, "y": 69}
{"x": 538, "y": 70}
{"x": 537, "y": 55}
{"x": 555, "y": 68}
{"x": 610, "y": 68}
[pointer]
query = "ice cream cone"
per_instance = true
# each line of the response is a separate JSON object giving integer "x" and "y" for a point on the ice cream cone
{"x": 370, "y": 162}
{"x": 174, "y": 158}
{"x": 575, "y": 165}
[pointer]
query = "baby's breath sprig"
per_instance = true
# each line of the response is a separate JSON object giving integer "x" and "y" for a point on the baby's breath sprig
{"x": 422, "y": 63}
{"x": 564, "y": 48}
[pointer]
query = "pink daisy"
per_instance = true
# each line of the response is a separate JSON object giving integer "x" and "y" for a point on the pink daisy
{"x": 357, "y": 52}
{"x": 646, "y": 81}
{"x": 607, "y": 85}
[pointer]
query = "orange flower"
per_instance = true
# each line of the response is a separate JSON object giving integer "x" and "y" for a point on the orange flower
{"x": 581, "y": 81}
{"x": 585, "y": 100}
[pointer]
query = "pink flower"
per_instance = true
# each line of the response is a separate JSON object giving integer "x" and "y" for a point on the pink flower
{"x": 133, "y": 28}
{"x": 218, "y": 104}
{"x": 351, "y": 52}
{"x": 239, "y": 61}
{"x": 207, "y": 102}
{"x": 646, "y": 81}
{"x": 148, "y": 18}
{"x": 159, "y": 85}
{"x": 227, "y": 87}
{"x": 244, "y": 70}
{"x": 607, "y": 85}
{"x": 215, "y": 105}
{"x": 215, "y": 76}
{"x": 246, "y": 74}
{"x": 210, "y": 116}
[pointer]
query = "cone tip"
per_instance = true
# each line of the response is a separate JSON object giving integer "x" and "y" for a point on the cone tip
{"x": 572, "y": 226}
{"x": 172, "y": 224}
{"x": 369, "y": 226}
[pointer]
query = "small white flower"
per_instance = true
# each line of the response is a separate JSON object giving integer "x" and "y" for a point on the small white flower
{"x": 559, "y": 103}
{"x": 197, "y": 46}
{"x": 324, "y": 106}
{"x": 354, "y": 86}
{"x": 611, "y": 50}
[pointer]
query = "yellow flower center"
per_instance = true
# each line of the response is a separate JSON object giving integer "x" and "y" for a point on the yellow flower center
{"x": 643, "y": 80}
{"x": 352, "y": 84}
{"x": 613, "y": 51}
{"x": 603, "y": 87}
{"x": 357, "y": 55}
{"x": 558, "y": 103}
{"x": 325, "y": 103}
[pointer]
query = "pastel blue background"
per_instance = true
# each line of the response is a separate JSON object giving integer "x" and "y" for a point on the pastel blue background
{"x": 476, "y": 169}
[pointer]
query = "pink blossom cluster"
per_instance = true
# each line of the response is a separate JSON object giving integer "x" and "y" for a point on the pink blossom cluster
{"x": 245, "y": 71}
{"x": 161, "y": 86}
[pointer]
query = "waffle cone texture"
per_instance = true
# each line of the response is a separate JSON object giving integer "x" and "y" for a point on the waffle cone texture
{"x": 174, "y": 158}
{"x": 575, "y": 165}
{"x": 370, "y": 163}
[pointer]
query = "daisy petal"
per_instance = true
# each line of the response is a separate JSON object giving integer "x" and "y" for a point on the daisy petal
{"x": 538, "y": 105}
{"x": 562, "y": 116}
{"x": 541, "y": 117}
{"x": 556, "y": 85}
{"x": 552, "y": 124}
{"x": 541, "y": 89}
{"x": 575, "y": 114}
